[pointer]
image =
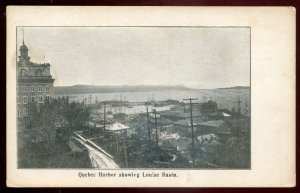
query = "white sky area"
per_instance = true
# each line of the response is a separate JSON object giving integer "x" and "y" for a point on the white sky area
{"x": 194, "y": 57}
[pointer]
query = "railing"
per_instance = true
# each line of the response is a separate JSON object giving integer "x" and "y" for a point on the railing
{"x": 93, "y": 145}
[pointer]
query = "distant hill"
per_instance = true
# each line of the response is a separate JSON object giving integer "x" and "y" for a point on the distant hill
{"x": 236, "y": 87}
{"x": 83, "y": 89}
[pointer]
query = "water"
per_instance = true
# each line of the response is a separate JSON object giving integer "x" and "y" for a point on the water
{"x": 135, "y": 109}
{"x": 225, "y": 98}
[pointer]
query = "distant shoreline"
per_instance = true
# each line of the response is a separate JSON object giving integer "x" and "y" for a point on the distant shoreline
{"x": 85, "y": 89}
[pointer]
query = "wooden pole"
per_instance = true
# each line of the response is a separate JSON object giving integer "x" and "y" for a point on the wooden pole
{"x": 104, "y": 123}
{"x": 117, "y": 145}
{"x": 192, "y": 128}
{"x": 155, "y": 120}
{"x": 149, "y": 133}
{"x": 125, "y": 153}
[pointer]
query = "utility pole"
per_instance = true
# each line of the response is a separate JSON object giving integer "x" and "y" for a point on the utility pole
{"x": 155, "y": 120}
{"x": 149, "y": 133}
{"x": 120, "y": 104}
{"x": 239, "y": 105}
{"x": 87, "y": 120}
{"x": 192, "y": 128}
{"x": 125, "y": 153}
{"x": 104, "y": 118}
{"x": 117, "y": 144}
{"x": 84, "y": 102}
{"x": 89, "y": 129}
{"x": 90, "y": 98}
{"x": 246, "y": 108}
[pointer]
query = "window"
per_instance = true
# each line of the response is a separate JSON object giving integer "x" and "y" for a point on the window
{"x": 33, "y": 99}
{"x": 48, "y": 98}
{"x": 32, "y": 89}
{"x": 25, "y": 100}
{"x": 23, "y": 72}
{"x": 47, "y": 88}
{"x": 18, "y": 113}
{"x": 40, "y": 89}
{"x": 25, "y": 112}
{"x": 38, "y": 72}
{"x": 24, "y": 88}
{"x": 40, "y": 99}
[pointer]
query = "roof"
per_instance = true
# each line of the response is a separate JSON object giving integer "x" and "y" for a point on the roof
{"x": 168, "y": 143}
{"x": 183, "y": 143}
{"x": 184, "y": 122}
{"x": 203, "y": 138}
{"x": 215, "y": 123}
{"x": 162, "y": 121}
{"x": 187, "y": 122}
{"x": 225, "y": 131}
{"x": 180, "y": 144}
{"x": 116, "y": 126}
{"x": 165, "y": 135}
{"x": 226, "y": 115}
{"x": 221, "y": 114}
{"x": 179, "y": 114}
{"x": 187, "y": 114}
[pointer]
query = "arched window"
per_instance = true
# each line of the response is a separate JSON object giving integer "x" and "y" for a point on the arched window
{"x": 38, "y": 72}
{"x": 23, "y": 72}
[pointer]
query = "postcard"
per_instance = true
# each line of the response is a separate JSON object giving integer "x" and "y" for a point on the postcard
{"x": 150, "y": 96}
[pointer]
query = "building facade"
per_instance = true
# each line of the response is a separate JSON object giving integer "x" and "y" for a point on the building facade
{"x": 34, "y": 85}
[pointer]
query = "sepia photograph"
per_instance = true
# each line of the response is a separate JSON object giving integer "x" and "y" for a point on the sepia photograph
{"x": 150, "y": 96}
{"x": 133, "y": 97}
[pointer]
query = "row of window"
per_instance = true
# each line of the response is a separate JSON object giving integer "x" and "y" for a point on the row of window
{"x": 38, "y": 72}
{"x": 24, "y": 113}
{"x": 33, "y": 89}
{"x": 39, "y": 99}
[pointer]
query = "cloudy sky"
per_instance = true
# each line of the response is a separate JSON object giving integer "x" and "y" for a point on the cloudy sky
{"x": 195, "y": 57}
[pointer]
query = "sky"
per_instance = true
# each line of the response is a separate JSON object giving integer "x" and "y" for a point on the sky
{"x": 197, "y": 57}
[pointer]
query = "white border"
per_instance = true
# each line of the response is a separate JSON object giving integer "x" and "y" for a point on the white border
{"x": 272, "y": 100}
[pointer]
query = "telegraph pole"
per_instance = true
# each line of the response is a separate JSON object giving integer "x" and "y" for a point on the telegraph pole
{"x": 89, "y": 129}
{"x": 192, "y": 128}
{"x": 90, "y": 97}
{"x": 154, "y": 111}
{"x": 104, "y": 118}
{"x": 117, "y": 144}
{"x": 125, "y": 153}
{"x": 246, "y": 108}
{"x": 239, "y": 105}
{"x": 149, "y": 133}
{"x": 87, "y": 120}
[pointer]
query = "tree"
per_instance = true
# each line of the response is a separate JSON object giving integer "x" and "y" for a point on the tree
{"x": 71, "y": 116}
{"x": 44, "y": 119}
{"x": 41, "y": 122}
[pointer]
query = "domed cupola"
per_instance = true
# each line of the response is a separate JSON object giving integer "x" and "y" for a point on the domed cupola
{"x": 24, "y": 53}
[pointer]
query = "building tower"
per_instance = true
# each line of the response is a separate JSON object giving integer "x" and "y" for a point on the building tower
{"x": 34, "y": 84}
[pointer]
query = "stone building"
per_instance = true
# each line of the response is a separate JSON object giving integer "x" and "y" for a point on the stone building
{"x": 34, "y": 85}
